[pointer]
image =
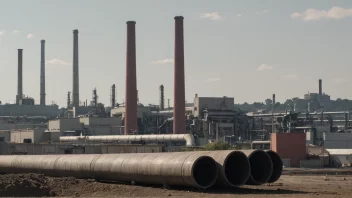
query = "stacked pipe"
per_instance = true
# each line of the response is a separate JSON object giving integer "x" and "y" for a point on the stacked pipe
{"x": 200, "y": 169}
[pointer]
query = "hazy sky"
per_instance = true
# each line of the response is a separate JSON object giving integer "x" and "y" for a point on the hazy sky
{"x": 244, "y": 49}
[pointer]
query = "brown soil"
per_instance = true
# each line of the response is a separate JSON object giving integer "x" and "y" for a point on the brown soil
{"x": 21, "y": 185}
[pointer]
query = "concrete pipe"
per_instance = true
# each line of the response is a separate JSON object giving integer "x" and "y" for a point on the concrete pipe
{"x": 179, "y": 169}
{"x": 261, "y": 166}
{"x": 277, "y": 166}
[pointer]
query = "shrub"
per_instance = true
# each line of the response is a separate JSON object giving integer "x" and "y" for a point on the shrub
{"x": 217, "y": 146}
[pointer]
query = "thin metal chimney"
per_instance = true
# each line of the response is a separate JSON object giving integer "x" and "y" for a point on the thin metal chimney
{"x": 94, "y": 98}
{"x": 131, "y": 80}
{"x": 19, "y": 77}
{"x": 320, "y": 87}
{"x": 42, "y": 73}
{"x": 75, "y": 88}
{"x": 113, "y": 96}
{"x": 68, "y": 99}
{"x": 161, "y": 98}
{"x": 274, "y": 102}
{"x": 179, "y": 125}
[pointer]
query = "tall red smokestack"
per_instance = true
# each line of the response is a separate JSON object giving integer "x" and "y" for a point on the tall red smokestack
{"x": 131, "y": 80}
{"x": 179, "y": 79}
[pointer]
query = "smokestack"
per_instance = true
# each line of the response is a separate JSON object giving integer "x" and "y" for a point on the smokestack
{"x": 75, "y": 88}
{"x": 161, "y": 102}
{"x": 179, "y": 126}
{"x": 68, "y": 99}
{"x": 94, "y": 98}
{"x": 113, "y": 96}
{"x": 320, "y": 87}
{"x": 274, "y": 102}
{"x": 19, "y": 77}
{"x": 42, "y": 73}
{"x": 131, "y": 80}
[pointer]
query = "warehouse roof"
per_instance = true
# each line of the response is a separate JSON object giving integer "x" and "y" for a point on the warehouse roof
{"x": 340, "y": 151}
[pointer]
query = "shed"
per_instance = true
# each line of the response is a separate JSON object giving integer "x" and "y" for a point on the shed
{"x": 340, "y": 157}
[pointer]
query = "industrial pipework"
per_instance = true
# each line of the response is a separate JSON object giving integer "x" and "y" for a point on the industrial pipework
{"x": 179, "y": 169}
{"x": 233, "y": 167}
{"x": 188, "y": 138}
{"x": 261, "y": 167}
{"x": 277, "y": 166}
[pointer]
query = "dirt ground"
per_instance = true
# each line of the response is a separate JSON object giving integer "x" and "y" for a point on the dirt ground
{"x": 20, "y": 185}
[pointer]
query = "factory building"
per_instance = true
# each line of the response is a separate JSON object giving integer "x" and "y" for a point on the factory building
{"x": 102, "y": 126}
{"x": 212, "y": 104}
{"x": 27, "y": 135}
{"x": 25, "y": 106}
{"x": 50, "y": 111}
{"x": 323, "y": 100}
{"x": 5, "y": 136}
{"x": 64, "y": 125}
{"x": 340, "y": 157}
{"x": 338, "y": 140}
{"x": 86, "y": 126}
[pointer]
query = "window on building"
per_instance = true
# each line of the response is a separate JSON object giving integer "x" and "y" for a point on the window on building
{"x": 2, "y": 139}
{"x": 27, "y": 140}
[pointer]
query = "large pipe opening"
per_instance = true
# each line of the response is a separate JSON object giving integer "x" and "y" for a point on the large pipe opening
{"x": 237, "y": 168}
{"x": 261, "y": 167}
{"x": 204, "y": 171}
{"x": 277, "y": 166}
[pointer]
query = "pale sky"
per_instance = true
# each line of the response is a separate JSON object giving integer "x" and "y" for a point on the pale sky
{"x": 243, "y": 49}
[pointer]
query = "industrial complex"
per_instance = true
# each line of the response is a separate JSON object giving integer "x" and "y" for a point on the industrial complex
{"x": 205, "y": 120}
{"x": 270, "y": 139}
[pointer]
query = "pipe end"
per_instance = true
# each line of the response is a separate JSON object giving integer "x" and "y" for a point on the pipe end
{"x": 205, "y": 172}
{"x": 237, "y": 168}
{"x": 261, "y": 167}
{"x": 277, "y": 166}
